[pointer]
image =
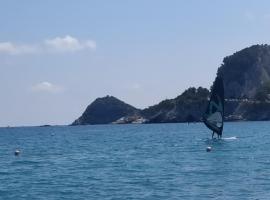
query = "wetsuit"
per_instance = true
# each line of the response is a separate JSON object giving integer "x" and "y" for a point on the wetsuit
{"x": 219, "y": 135}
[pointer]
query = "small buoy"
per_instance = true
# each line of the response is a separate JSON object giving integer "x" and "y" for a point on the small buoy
{"x": 208, "y": 149}
{"x": 17, "y": 152}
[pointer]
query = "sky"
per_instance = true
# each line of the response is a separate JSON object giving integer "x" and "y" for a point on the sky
{"x": 56, "y": 57}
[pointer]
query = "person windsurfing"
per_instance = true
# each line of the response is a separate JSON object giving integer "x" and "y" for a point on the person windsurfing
{"x": 214, "y": 115}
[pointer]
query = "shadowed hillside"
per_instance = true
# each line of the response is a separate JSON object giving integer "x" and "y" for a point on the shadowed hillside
{"x": 105, "y": 110}
{"x": 246, "y": 72}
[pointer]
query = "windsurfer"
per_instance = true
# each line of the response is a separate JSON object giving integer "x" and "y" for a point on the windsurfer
{"x": 219, "y": 135}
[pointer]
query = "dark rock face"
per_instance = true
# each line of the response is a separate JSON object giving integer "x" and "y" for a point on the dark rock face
{"x": 246, "y": 71}
{"x": 246, "y": 76}
{"x": 105, "y": 110}
{"x": 255, "y": 111}
{"x": 250, "y": 111}
{"x": 188, "y": 107}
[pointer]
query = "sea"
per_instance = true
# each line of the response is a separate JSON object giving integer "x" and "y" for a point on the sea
{"x": 135, "y": 161}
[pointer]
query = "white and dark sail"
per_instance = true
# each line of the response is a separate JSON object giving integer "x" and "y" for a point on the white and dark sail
{"x": 214, "y": 115}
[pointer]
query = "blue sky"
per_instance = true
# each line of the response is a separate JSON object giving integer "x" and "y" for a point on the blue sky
{"x": 56, "y": 57}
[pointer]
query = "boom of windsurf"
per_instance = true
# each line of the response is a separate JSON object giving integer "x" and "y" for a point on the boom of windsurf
{"x": 214, "y": 115}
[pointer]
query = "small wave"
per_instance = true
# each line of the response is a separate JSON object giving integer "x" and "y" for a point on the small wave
{"x": 230, "y": 138}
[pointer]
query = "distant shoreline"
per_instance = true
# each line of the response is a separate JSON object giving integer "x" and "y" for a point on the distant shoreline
{"x": 40, "y": 126}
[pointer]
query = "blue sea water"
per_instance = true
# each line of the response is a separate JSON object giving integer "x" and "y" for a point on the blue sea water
{"x": 155, "y": 161}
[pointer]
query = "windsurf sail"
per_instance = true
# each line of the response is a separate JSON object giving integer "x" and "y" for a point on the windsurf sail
{"x": 214, "y": 115}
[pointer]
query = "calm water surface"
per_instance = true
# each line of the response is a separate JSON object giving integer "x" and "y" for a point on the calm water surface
{"x": 159, "y": 161}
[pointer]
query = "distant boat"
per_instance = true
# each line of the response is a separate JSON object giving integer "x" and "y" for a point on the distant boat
{"x": 214, "y": 115}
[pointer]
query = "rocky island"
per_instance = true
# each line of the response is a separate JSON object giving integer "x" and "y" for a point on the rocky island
{"x": 246, "y": 76}
{"x": 105, "y": 110}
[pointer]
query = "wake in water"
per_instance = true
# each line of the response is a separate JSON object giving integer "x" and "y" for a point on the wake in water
{"x": 210, "y": 141}
{"x": 230, "y": 138}
{"x": 222, "y": 139}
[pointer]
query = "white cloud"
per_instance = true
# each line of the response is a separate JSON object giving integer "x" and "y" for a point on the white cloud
{"x": 68, "y": 43}
{"x": 13, "y": 49}
{"x": 47, "y": 87}
{"x": 58, "y": 44}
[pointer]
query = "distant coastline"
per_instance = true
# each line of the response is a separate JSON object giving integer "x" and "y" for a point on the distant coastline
{"x": 246, "y": 76}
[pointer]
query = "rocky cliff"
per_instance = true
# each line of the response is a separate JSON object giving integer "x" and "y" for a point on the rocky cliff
{"x": 187, "y": 107}
{"x": 246, "y": 71}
